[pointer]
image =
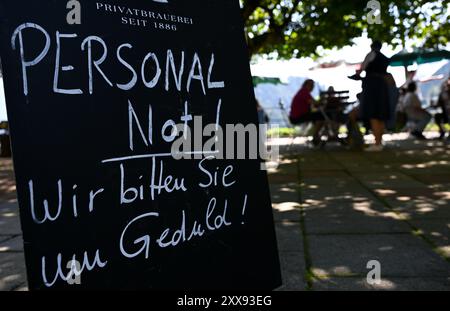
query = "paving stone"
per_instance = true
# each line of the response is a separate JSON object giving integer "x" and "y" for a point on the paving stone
{"x": 428, "y": 178}
{"x": 287, "y": 211}
{"x": 12, "y": 271}
{"x": 333, "y": 191}
{"x": 22, "y": 288}
{"x": 284, "y": 166}
{"x": 381, "y": 223}
{"x": 319, "y": 165}
{"x": 7, "y": 182}
{"x": 9, "y": 209}
{"x": 420, "y": 208}
{"x": 387, "y": 284}
{"x": 381, "y": 183}
{"x": 10, "y": 226}
{"x": 292, "y": 271}
{"x": 289, "y": 237}
{"x": 391, "y": 175}
{"x": 445, "y": 186}
{"x": 287, "y": 192}
{"x": 329, "y": 181}
{"x": 285, "y": 202}
{"x": 365, "y": 168}
{"x": 400, "y": 255}
{"x": 283, "y": 178}
{"x": 14, "y": 244}
{"x": 9, "y": 219}
{"x": 5, "y": 237}
{"x": 330, "y": 174}
{"x": 436, "y": 230}
{"x": 345, "y": 206}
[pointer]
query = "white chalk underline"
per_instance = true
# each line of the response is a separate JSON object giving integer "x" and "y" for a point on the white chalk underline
{"x": 158, "y": 155}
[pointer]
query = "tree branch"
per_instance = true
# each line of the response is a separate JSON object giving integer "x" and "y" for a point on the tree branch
{"x": 275, "y": 33}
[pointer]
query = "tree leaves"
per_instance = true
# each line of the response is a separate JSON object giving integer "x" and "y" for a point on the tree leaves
{"x": 293, "y": 28}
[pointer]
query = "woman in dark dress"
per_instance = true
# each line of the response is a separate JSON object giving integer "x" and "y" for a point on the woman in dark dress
{"x": 375, "y": 104}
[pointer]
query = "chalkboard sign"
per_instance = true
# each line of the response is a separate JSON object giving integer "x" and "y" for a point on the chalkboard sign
{"x": 96, "y": 94}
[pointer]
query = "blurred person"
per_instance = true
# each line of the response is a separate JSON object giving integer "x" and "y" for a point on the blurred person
{"x": 400, "y": 115}
{"x": 332, "y": 100}
{"x": 414, "y": 111}
{"x": 444, "y": 103}
{"x": 393, "y": 95}
{"x": 301, "y": 110}
{"x": 335, "y": 106}
{"x": 375, "y": 103}
{"x": 333, "y": 109}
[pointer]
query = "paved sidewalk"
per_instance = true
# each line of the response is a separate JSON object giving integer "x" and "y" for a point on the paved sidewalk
{"x": 335, "y": 210}
{"x": 12, "y": 262}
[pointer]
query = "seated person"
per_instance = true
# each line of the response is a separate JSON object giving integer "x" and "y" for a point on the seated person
{"x": 444, "y": 103}
{"x": 333, "y": 101}
{"x": 301, "y": 109}
{"x": 400, "y": 114}
{"x": 414, "y": 111}
{"x": 334, "y": 106}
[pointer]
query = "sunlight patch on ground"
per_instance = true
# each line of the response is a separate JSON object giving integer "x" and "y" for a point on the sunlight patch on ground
{"x": 385, "y": 285}
{"x": 9, "y": 215}
{"x": 338, "y": 270}
{"x": 444, "y": 195}
{"x": 445, "y": 250}
{"x": 286, "y": 206}
{"x": 385, "y": 191}
{"x": 403, "y": 198}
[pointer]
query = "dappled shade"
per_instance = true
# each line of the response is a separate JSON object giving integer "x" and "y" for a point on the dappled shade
{"x": 335, "y": 210}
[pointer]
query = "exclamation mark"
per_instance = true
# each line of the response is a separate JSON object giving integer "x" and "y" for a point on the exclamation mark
{"x": 219, "y": 107}
{"x": 243, "y": 208}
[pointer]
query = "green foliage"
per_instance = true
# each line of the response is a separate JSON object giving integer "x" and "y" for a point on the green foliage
{"x": 296, "y": 28}
{"x": 282, "y": 132}
{"x": 259, "y": 80}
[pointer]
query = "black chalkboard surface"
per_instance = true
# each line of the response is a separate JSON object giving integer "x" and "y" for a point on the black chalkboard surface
{"x": 93, "y": 90}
